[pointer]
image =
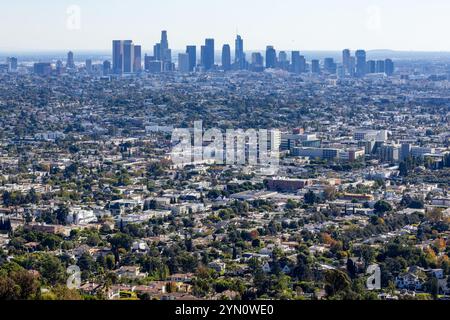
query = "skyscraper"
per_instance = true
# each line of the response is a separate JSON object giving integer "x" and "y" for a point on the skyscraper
{"x": 257, "y": 59}
{"x": 137, "y": 59}
{"x": 59, "y": 67}
{"x": 183, "y": 62}
{"x": 302, "y": 64}
{"x": 298, "y": 62}
{"x": 157, "y": 51}
{"x": 371, "y": 66}
{"x": 128, "y": 56}
{"x": 295, "y": 57}
{"x": 283, "y": 62}
{"x": 257, "y": 62}
{"x": 389, "y": 68}
{"x": 106, "y": 68}
{"x": 147, "y": 60}
{"x": 203, "y": 56}
{"x": 352, "y": 67}
{"x": 208, "y": 54}
{"x": 361, "y": 63}
{"x": 117, "y": 57}
{"x": 226, "y": 57}
{"x": 271, "y": 57}
{"x": 330, "y": 66}
{"x": 239, "y": 57}
{"x": 192, "y": 52}
{"x": 162, "y": 52}
{"x": 164, "y": 43}
{"x": 70, "y": 60}
{"x": 380, "y": 66}
{"x": 346, "y": 56}
{"x": 12, "y": 64}
{"x": 315, "y": 66}
{"x": 125, "y": 57}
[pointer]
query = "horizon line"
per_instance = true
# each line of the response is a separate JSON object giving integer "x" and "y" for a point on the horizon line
{"x": 218, "y": 49}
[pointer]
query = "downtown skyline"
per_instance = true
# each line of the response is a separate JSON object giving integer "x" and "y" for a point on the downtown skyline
{"x": 127, "y": 58}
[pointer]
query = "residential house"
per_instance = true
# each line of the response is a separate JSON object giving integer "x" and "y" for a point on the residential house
{"x": 130, "y": 272}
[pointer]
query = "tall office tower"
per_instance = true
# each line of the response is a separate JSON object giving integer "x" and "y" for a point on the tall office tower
{"x": 166, "y": 53}
{"x": 302, "y": 64}
{"x": 168, "y": 65}
{"x": 137, "y": 67}
{"x": 70, "y": 60}
{"x": 106, "y": 68}
{"x": 257, "y": 64}
{"x": 152, "y": 65}
{"x": 128, "y": 56}
{"x": 59, "y": 67}
{"x": 298, "y": 63}
{"x": 203, "y": 56}
{"x": 88, "y": 65}
{"x": 380, "y": 66}
{"x": 147, "y": 60}
{"x": 283, "y": 62}
{"x": 164, "y": 41}
{"x": 168, "y": 56}
{"x": 209, "y": 52}
{"x": 162, "y": 52}
{"x": 257, "y": 59}
{"x": 239, "y": 56}
{"x": 192, "y": 52}
{"x": 117, "y": 57}
{"x": 271, "y": 57}
{"x": 361, "y": 63}
{"x": 12, "y": 64}
{"x": 346, "y": 55}
{"x": 282, "y": 56}
{"x": 389, "y": 68}
{"x": 315, "y": 66}
{"x": 371, "y": 66}
{"x": 226, "y": 57}
{"x": 330, "y": 66}
{"x": 352, "y": 66}
{"x": 157, "y": 51}
{"x": 124, "y": 56}
{"x": 295, "y": 57}
{"x": 183, "y": 62}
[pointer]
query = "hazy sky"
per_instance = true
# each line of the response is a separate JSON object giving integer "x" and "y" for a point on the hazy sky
{"x": 287, "y": 24}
